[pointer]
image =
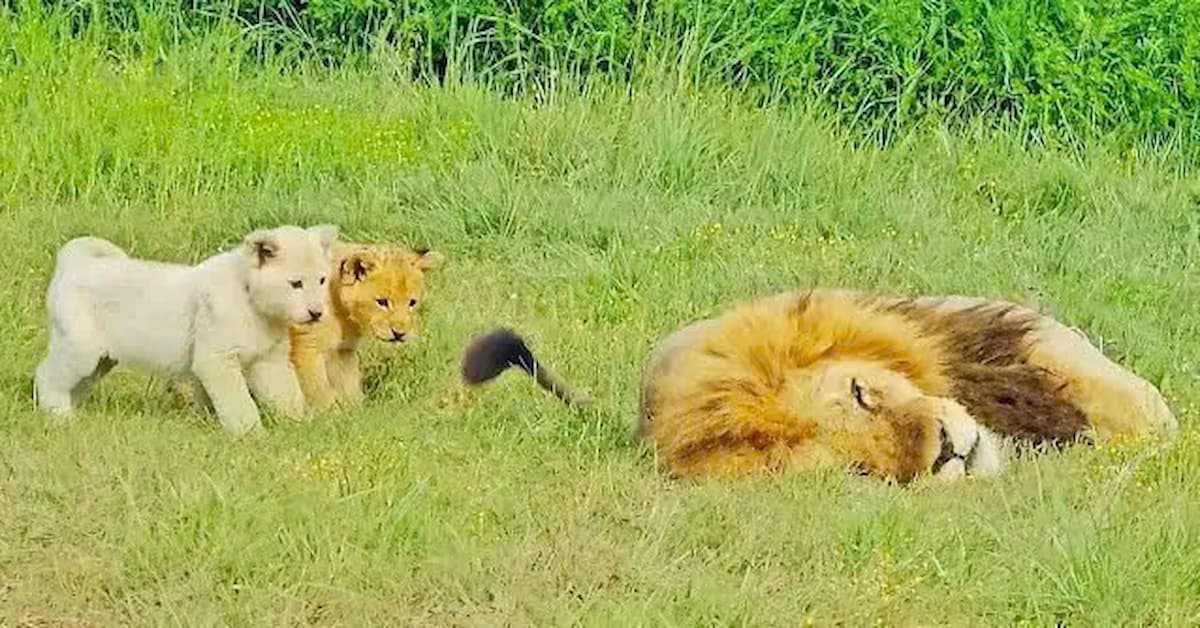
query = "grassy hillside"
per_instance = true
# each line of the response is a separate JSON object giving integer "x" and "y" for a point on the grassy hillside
{"x": 595, "y": 220}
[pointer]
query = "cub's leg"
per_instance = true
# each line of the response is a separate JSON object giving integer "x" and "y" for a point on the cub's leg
{"x": 345, "y": 376}
{"x": 190, "y": 389}
{"x": 1116, "y": 401}
{"x": 225, "y": 384}
{"x": 65, "y": 376}
{"x": 273, "y": 380}
{"x": 310, "y": 362}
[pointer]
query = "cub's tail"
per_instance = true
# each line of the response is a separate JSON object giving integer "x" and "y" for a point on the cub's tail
{"x": 491, "y": 354}
{"x": 86, "y": 248}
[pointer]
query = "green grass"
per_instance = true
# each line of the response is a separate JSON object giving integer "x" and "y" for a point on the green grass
{"x": 1059, "y": 68}
{"x": 595, "y": 221}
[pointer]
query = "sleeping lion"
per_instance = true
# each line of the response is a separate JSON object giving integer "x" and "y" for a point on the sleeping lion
{"x": 895, "y": 388}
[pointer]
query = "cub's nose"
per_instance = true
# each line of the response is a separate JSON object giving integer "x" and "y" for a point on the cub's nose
{"x": 314, "y": 315}
{"x": 397, "y": 336}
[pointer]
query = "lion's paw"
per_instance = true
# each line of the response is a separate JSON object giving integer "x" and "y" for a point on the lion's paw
{"x": 967, "y": 448}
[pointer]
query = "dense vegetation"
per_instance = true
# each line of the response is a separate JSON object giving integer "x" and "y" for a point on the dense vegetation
{"x": 1066, "y": 68}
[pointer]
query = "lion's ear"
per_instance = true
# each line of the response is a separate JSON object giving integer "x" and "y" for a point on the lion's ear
{"x": 260, "y": 246}
{"x": 357, "y": 266}
{"x": 428, "y": 260}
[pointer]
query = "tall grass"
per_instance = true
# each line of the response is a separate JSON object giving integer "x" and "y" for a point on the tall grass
{"x": 1060, "y": 68}
{"x": 595, "y": 218}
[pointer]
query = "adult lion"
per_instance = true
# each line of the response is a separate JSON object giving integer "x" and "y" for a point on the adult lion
{"x": 892, "y": 387}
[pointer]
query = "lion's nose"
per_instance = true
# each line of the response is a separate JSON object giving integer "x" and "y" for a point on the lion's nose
{"x": 398, "y": 336}
{"x": 314, "y": 315}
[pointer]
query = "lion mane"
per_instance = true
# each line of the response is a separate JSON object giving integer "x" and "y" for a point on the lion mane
{"x": 891, "y": 387}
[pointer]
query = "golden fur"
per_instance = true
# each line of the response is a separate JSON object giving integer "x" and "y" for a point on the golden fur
{"x": 376, "y": 291}
{"x": 895, "y": 388}
{"x": 809, "y": 383}
{"x": 752, "y": 388}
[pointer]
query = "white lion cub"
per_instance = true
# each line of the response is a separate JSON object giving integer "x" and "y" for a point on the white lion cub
{"x": 223, "y": 322}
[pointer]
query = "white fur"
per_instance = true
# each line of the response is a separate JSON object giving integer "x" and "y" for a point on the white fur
{"x": 977, "y": 446}
{"x": 224, "y": 321}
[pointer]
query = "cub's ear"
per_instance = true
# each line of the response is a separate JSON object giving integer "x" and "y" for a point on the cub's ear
{"x": 260, "y": 246}
{"x": 428, "y": 260}
{"x": 356, "y": 266}
{"x": 326, "y": 234}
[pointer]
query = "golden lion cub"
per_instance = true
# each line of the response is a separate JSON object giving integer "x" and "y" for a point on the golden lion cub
{"x": 376, "y": 290}
{"x": 890, "y": 387}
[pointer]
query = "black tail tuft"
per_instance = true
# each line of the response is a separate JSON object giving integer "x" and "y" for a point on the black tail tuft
{"x": 491, "y": 354}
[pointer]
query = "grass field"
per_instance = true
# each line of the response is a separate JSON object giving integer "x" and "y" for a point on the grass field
{"x": 595, "y": 222}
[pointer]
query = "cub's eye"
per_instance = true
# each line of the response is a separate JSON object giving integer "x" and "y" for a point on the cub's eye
{"x": 383, "y": 303}
{"x": 322, "y": 281}
{"x": 297, "y": 284}
{"x": 412, "y": 303}
{"x": 860, "y": 395}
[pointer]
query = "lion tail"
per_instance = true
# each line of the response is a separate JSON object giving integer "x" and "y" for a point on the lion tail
{"x": 493, "y": 353}
{"x": 87, "y": 248}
